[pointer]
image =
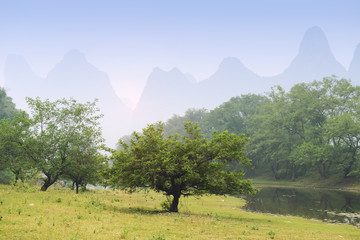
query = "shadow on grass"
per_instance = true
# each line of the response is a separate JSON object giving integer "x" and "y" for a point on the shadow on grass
{"x": 215, "y": 217}
{"x": 144, "y": 211}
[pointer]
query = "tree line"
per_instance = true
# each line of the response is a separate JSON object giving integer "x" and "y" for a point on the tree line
{"x": 60, "y": 141}
{"x": 312, "y": 130}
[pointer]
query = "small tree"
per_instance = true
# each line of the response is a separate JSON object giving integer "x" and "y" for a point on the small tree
{"x": 59, "y": 129}
{"x": 14, "y": 142}
{"x": 181, "y": 165}
{"x": 84, "y": 164}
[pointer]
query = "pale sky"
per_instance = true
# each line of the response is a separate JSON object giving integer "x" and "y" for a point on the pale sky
{"x": 127, "y": 39}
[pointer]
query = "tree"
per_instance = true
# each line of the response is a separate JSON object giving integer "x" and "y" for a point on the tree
{"x": 84, "y": 164}
{"x": 181, "y": 165}
{"x": 235, "y": 115}
{"x": 60, "y": 128}
{"x": 238, "y": 116}
{"x": 176, "y": 123}
{"x": 7, "y": 107}
{"x": 14, "y": 142}
{"x": 7, "y": 111}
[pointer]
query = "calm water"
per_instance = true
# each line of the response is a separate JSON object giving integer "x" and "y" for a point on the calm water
{"x": 326, "y": 205}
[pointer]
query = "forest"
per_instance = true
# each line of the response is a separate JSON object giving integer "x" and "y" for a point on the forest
{"x": 312, "y": 130}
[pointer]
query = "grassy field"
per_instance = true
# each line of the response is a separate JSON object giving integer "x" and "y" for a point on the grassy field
{"x": 27, "y": 213}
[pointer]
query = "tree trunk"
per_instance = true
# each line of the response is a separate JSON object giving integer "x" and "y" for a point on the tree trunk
{"x": 47, "y": 183}
{"x": 347, "y": 169}
{"x": 292, "y": 172}
{"x": 45, "y": 186}
{"x": 77, "y": 187}
{"x": 16, "y": 179}
{"x": 175, "y": 203}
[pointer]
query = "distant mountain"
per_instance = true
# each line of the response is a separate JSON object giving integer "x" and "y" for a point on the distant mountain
{"x": 20, "y": 80}
{"x": 169, "y": 93}
{"x": 173, "y": 92}
{"x": 73, "y": 77}
{"x": 314, "y": 61}
{"x": 354, "y": 69}
{"x": 165, "y": 93}
{"x": 231, "y": 79}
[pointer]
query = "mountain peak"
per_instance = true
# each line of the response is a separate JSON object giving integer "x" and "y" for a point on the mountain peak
{"x": 74, "y": 56}
{"x": 157, "y": 70}
{"x": 315, "y": 41}
{"x": 175, "y": 71}
{"x": 159, "y": 73}
{"x": 355, "y": 62}
{"x": 230, "y": 63}
{"x": 17, "y": 68}
{"x": 354, "y": 68}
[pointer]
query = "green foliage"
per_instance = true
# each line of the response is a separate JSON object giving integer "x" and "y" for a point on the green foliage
{"x": 176, "y": 123}
{"x": 14, "y": 144}
{"x": 235, "y": 115}
{"x": 181, "y": 165}
{"x": 254, "y": 228}
{"x": 7, "y": 107}
{"x": 24, "y": 187}
{"x": 6, "y": 177}
{"x": 271, "y": 234}
{"x": 313, "y": 129}
{"x": 10, "y": 137}
{"x": 66, "y": 137}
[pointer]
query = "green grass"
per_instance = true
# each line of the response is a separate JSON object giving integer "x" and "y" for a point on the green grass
{"x": 26, "y": 213}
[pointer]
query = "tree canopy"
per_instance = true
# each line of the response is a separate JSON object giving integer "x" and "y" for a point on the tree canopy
{"x": 65, "y": 134}
{"x": 7, "y": 107}
{"x": 14, "y": 140}
{"x": 181, "y": 165}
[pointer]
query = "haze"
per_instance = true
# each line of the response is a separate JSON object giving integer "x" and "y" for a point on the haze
{"x": 126, "y": 40}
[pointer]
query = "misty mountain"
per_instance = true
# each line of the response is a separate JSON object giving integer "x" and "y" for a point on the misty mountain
{"x": 164, "y": 93}
{"x": 314, "y": 61}
{"x": 172, "y": 92}
{"x": 231, "y": 79}
{"x": 20, "y": 80}
{"x": 354, "y": 68}
{"x": 169, "y": 93}
{"x": 73, "y": 77}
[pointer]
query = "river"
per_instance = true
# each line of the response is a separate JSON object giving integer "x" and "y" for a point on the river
{"x": 326, "y": 205}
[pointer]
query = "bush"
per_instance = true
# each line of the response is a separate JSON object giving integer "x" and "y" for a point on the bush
{"x": 6, "y": 177}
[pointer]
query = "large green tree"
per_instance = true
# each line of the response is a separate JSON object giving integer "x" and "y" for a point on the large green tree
{"x": 60, "y": 129}
{"x": 181, "y": 165}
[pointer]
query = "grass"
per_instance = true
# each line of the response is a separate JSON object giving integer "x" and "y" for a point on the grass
{"x": 111, "y": 214}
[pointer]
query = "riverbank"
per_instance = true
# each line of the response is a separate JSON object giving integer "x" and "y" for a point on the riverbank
{"x": 26, "y": 213}
{"x": 334, "y": 183}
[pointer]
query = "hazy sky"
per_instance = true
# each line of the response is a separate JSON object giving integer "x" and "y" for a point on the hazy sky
{"x": 127, "y": 39}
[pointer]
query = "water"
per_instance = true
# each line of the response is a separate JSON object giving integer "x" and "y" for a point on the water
{"x": 327, "y": 205}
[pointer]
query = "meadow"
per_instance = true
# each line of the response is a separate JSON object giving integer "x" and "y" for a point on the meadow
{"x": 59, "y": 213}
